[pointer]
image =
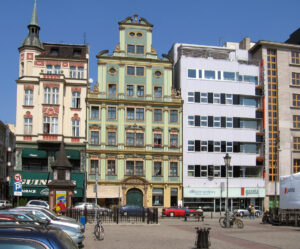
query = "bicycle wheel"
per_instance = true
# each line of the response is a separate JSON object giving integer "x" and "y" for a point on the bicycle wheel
{"x": 222, "y": 222}
{"x": 239, "y": 223}
{"x": 99, "y": 232}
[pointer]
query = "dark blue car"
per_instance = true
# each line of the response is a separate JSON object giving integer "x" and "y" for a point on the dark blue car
{"x": 132, "y": 210}
{"x": 34, "y": 237}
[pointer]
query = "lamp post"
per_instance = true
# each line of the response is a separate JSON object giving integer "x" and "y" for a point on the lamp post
{"x": 227, "y": 160}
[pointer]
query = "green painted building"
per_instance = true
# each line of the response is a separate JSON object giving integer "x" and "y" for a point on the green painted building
{"x": 134, "y": 124}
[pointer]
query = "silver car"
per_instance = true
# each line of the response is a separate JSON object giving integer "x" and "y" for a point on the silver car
{"x": 91, "y": 206}
{"x": 38, "y": 203}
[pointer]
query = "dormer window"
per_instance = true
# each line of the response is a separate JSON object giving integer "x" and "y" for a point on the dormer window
{"x": 54, "y": 51}
{"x": 77, "y": 52}
{"x": 135, "y": 49}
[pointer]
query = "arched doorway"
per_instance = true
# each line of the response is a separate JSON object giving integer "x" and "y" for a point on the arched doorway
{"x": 134, "y": 197}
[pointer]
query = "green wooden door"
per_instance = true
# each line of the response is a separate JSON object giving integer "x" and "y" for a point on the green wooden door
{"x": 134, "y": 197}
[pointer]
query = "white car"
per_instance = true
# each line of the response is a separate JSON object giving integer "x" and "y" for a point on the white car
{"x": 5, "y": 204}
{"x": 37, "y": 203}
{"x": 245, "y": 212}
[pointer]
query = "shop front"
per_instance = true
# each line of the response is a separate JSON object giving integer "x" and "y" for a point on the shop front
{"x": 34, "y": 186}
{"x": 213, "y": 199}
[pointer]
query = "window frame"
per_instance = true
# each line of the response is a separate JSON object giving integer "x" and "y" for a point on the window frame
{"x": 155, "y": 172}
{"x": 27, "y": 126}
{"x": 111, "y": 142}
{"x": 172, "y": 115}
{"x": 155, "y": 114}
{"x": 75, "y": 128}
{"x": 94, "y": 137}
{"x": 156, "y": 93}
{"x": 76, "y": 100}
{"x": 111, "y": 168}
{"x": 157, "y": 139}
{"x": 111, "y": 113}
{"x": 171, "y": 171}
{"x": 28, "y": 97}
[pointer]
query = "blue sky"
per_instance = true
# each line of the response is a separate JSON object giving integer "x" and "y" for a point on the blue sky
{"x": 206, "y": 22}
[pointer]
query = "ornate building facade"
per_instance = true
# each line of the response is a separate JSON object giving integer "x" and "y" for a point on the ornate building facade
{"x": 134, "y": 150}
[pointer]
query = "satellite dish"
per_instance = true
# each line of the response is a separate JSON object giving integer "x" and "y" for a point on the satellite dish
{"x": 91, "y": 80}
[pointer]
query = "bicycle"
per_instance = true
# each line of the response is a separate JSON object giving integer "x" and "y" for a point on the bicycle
{"x": 232, "y": 221}
{"x": 99, "y": 230}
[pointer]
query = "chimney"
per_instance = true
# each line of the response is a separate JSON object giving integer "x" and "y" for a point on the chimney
{"x": 245, "y": 43}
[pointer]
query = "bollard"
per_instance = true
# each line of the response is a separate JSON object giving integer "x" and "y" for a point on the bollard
{"x": 202, "y": 238}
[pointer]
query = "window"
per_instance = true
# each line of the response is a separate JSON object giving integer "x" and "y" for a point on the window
{"x": 217, "y": 171}
{"x": 203, "y": 121}
{"x": 228, "y": 99}
{"x": 47, "y": 95}
{"x": 229, "y": 76}
{"x": 229, "y": 171}
{"x": 75, "y": 128}
{"x": 252, "y": 79}
{"x": 217, "y": 121}
{"x": 229, "y": 147}
{"x": 54, "y": 51}
{"x": 139, "y": 49}
{"x": 55, "y": 96}
{"x": 217, "y": 98}
{"x": 174, "y": 140}
{"x": 203, "y": 145}
{"x": 296, "y": 166}
{"x": 191, "y": 170}
{"x": 191, "y": 120}
{"x": 296, "y": 143}
{"x": 111, "y": 112}
{"x": 112, "y": 89}
{"x": 27, "y": 126}
{"x": 50, "y": 125}
{"x": 174, "y": 116}
{"x": 135, "y": 49}
{"x": 157, "y": 73}
{"x": 49, "y": 69}
{"x": 139, "y": 139}
{"x": 157, "y": 114}
{"x": 130, "y": 70}
{"x": 192, "y": 73}
{"x": 157, "y": 92}
{"x": 22, "y": 68}
{"x": 139, "y": 168}
{"x": 191, "y": 97}
{"x": 296, "y": 100}
{"x": 95, "y": 112}
{"x": 295, "y": 57}
{"x": 139, "y": 113}
{"x": 296, "y": 79}
{"x": 130, "y": 139}
{"x": 28, "y": 100}
{"x": 130, "y": 49}
{"x": 135, "y": 168}
{"x": 72, "y": 72}
{"x": 203, "y": 171}
{"x": 130, "y": 90}
{"x": 140, "y": 91}
{"x": 140, "y": 71}
{"x": 296, "y": 121}
{"x": 203, "y": 98}
{"x": 173, "y": 168}
{"x": 157, "y": 197}
{"x": 130, "y": 113}
{"x": 208, "y": 74}
{"x": 111, "y": 138}
{"x": 112, "y": 70}
{"x": 76, "y": 100}
{"x": 94, "y": 167}
{"x": 157, "y": 140}
{"x": 200, "y": 73}
{"x": 229, "y": 122}
{"x": 217, "y": 146}
{"x": 191, "y": 145}
{"x": 135, "y": 139}
{"x": 80, "y": 73}
{"x": 111, "y": 167}
{"x": 157, "y": 169}
{"x": 129, "y": 168}
{"x": 95, "y": 137}
{"x": 56, "y": 69}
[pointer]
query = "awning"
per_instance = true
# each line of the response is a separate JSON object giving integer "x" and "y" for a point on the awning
{"x": 71, "y": 154}
{"x": 104, "y": 191}
{"x": 34, "y": 153}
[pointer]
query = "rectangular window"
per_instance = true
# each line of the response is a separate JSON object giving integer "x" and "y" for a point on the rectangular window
{"x": 27, "y": 126}
{"x": 157, "y": 169}
{"x": 47, "y": 95}
{"x": 95, "y": 137}
{"x": 203, "y": 121}
{"x": 139, "y": 113}
{"x": 296, "y": 143}
{"x": 131, "y": 49}
{"x": 157, "y": 92}
{"x": 217, "y": 171}
{"x": 130, "y": 139}
{"x": 174, "y": 116}
{"x": 191, "y": 97}
{"x": 191, "y": 145}
{"x": 229, "y": 122}
{"x": 296, "y": 100}
{"x": 94, "y": 167}
{"x": 139, "y": 139}
{"x": 56, "y": 69}
{"x": 203, "y": 172}
{"x": 139, "y": 49}
{"x": 229, "y": 147}
{"x": 217, "y": 98}
{"x": 111, "y": 167}
{"x": 130, "y": 113}
{"x": 130, "y": 70}
{"x": 111, "y": 138}
{"x": 157, "y": 140}
{"x": 157, "y": 197}
{"x": 228, "y": 99}
{"x": 140, "y": 71}
{"x": 95, "y": 112}
{"x": 174, "y": 140}
{"x": 296, "y": 121}
{"x": 28, "y": 100}
{"x": 173, "y": 168}
{"x": 55, "y": 96}
{"x": 229, "y": 76}
{"x": 296, "y": 166}
{"x": 130, "y": 90}
{"x": 111, "y": 112}
{"x": 75, "y": 128}
{"x": 73, "y": 72}
{"x": 80, "y": 73}
{"x": 49, "y": 69}
{"x": 130, "y": 168}
{"x": 192, "y": 73}
{"x": 296, "y": 79}
{"x": 191, "y": 170}
{"x": 203, "y": 145}
{"x": 139, "y": 168}
{"x": 157, "y": 115}
{"x": 252, "y": 79}
{"x": 203, "y": 98}
{"x": 295, "y": 57}
{"x": 76, "y": 100}
{"x": 208, "y": 74}
{"x": 217, "y": 146}
{"x": 191, "y": 120}
{"x": 200, "y": 74}
{"x": 217, "y": 121}
{"x": 50, "y": 125}
{"x": 140, "y": 91}
{"x": 112, "y": 89}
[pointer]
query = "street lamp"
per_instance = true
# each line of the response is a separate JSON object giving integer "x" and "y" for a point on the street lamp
{"x": 227, "y": 160}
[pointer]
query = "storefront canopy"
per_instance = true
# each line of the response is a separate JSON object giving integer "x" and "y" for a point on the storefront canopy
{"x": 71, "y": 154}
{"x": 34, "y": 153}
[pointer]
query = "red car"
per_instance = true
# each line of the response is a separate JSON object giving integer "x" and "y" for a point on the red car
{"x": 176, "y": 211}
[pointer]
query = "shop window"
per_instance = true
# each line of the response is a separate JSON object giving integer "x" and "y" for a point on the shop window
{"x": 157, "y": 197}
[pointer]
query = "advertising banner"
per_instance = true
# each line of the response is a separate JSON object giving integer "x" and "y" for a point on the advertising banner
{"x": 290, "y": 191}
{"x": 61, "y": 197}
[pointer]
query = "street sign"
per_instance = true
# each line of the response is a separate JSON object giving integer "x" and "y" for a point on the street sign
{"x": 18, "y": 177}
{"x": 17, "y": 188}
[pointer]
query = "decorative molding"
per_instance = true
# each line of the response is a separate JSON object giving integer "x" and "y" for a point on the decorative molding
{"x": 51, "y": 111}
{"x": 27, "y": 138}
{"x": 65, "y": 64}
{"x": 29, "y": 56}
{"x": 50, "y": 137}
{"x": 28, "y": 115}
{"x": 51, "y": 85}
{"x": 75, "y": 117}
{"x": 75, "y": 140}
{"x": 39, "y": 63}
{"x": 28, "y": 87}
{"x": 73, "y": 64}
{"x": 51, "y": 76}
{"x": 53, "y": 63}
{"x": 75, "y": 89}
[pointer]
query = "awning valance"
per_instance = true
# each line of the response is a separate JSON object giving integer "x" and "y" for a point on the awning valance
{"x": 104, "y": 191}
{"x": 71, "y": 154}
{"x": 34, "y": 153}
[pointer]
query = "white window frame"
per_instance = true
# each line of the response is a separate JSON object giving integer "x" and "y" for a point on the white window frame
{"x": 72, "y": 72}
{"x": 28, "y": 98}
{"x": 75, "y": 128}
{"x": 203, "y": 98}
{"x": 27, "y": 126}
{"x": 49, "y": 69}
{"x": 191, "y": 120}
{"x": 203, "y": 145}
{"x": 57, "y": 69}
{"x": 229, "y": 146}
{"x": 80, "y": 72}
{"x": 203, "y": 121}
{"x": 191, "y": 97}
{"x": 217, "y": 146}
{"x": 47, "y": 95}
{"x": 228, "y": 99}
{"x": 55, "y": 95}
{"x": 191, "y": 171}
{"x": 217, "y": 122}
{"x": 76, "y": 100}
{"x": 203, "y": 171}
{"x": 191, "y": 144}
{"x": 217, "y": 98}
{"x": 217, "y": 171}
{"x": 229, "y": 122}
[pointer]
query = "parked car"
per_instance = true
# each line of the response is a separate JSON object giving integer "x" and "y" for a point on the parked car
{"x": 5, "y": 204}
{"x": 245, "y": 212}
{"x": 132, "y": 210}
{"x": 38, "y": 203}
{"x": 91, "y": 206}
{"x": 9, "y": 219}
{"x": 32, "y": 236}
{"x": 176, "y": 211}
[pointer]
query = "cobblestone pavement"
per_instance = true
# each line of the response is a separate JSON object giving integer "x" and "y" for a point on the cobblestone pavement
{"x": 175, "y": 233}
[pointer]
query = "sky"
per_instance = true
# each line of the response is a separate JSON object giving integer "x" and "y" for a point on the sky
{"x": 205, "y": 22}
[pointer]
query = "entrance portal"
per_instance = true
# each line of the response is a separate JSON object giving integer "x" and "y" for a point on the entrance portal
{"x": 134, "y": 197}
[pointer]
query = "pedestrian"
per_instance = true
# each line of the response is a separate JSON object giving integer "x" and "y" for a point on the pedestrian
{"x": 252, "y": 212}
{"x": 249, "y": 211}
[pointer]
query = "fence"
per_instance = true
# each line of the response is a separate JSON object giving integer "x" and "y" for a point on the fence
{"x": 149, "y": 215}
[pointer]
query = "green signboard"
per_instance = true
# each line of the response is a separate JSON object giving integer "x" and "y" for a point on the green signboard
{"x": 35, "y": 183}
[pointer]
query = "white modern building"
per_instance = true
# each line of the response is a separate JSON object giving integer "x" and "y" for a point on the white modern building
{"x": 222, "y": 113}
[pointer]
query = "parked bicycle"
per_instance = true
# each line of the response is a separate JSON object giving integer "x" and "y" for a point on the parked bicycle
{"x": 99, "y": 230}
{"x": 233, "y": 221}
